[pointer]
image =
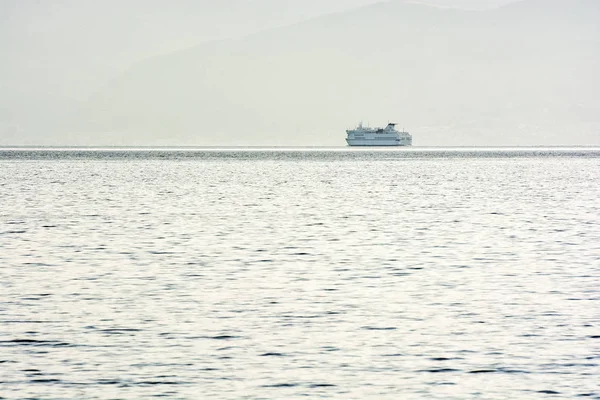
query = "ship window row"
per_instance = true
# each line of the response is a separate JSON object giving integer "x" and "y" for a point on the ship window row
{"x": 381, "y": 138}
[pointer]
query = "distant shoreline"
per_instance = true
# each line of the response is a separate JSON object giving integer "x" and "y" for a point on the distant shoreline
{"x": 344, "y": 147}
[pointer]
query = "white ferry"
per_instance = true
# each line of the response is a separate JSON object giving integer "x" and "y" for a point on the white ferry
{"x": 388, "y": 136}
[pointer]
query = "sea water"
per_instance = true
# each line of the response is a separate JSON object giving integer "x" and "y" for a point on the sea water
{"x": 293, "y": 273}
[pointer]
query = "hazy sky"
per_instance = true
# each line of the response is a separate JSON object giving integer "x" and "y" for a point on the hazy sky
{"x": 156, "y": 71}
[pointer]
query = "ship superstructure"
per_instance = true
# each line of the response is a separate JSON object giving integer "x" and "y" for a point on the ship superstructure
{"x": 388, "y": 136}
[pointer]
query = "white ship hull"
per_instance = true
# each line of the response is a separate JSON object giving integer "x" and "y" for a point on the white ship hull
{"x": 373, "y": 142}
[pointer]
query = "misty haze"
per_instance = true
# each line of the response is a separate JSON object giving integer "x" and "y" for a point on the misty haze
{"x": 292, "y": 199}
{"x": 268, "y": 72}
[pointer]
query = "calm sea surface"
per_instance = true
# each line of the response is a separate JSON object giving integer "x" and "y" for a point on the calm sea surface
{"x": 294, "y": 273}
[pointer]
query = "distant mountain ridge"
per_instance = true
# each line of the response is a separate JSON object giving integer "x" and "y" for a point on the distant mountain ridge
{"x": 454, "y": 77}
{"x": 522, "y": 74}
{"x": 55, "y": 53}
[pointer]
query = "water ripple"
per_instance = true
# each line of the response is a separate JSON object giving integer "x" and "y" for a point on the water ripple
{"x": 265, "y": 273}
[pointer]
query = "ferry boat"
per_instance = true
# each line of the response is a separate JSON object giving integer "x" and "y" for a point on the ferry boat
{"x": 388, "y": 136}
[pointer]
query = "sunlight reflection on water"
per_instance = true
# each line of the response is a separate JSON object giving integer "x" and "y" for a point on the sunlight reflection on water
{"x": 301, "y": 272}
